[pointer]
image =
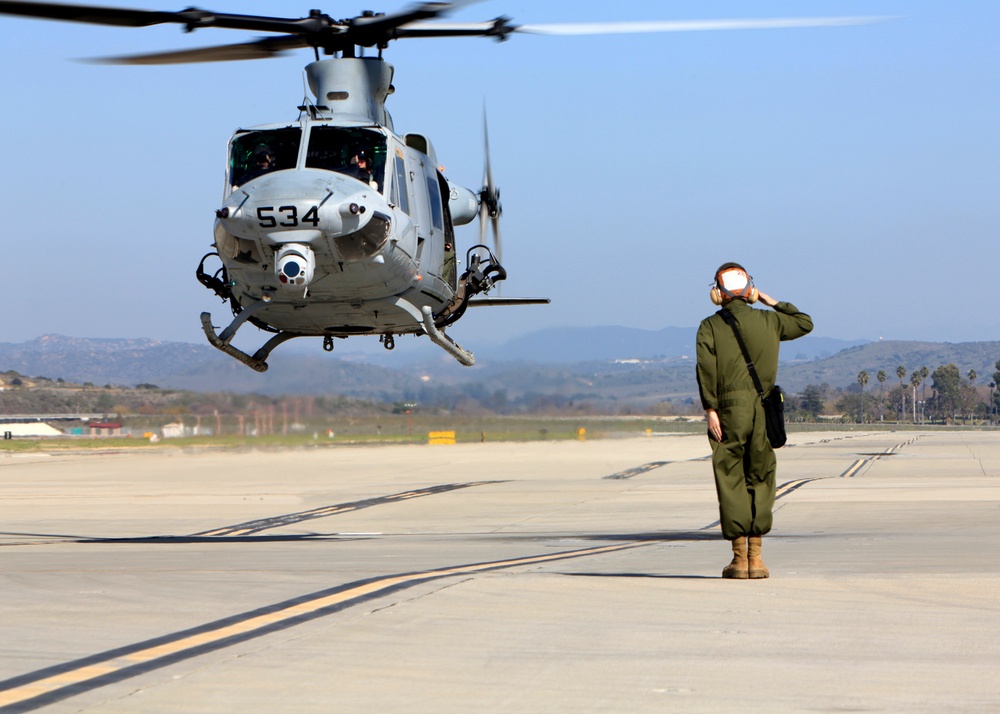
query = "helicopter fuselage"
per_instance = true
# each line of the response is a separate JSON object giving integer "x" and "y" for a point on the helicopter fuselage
{"x": 365, "y": 245}
{"x": 334, "y": 226}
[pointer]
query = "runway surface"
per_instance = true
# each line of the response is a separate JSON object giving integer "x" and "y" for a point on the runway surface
{"x": 548, "y": 576}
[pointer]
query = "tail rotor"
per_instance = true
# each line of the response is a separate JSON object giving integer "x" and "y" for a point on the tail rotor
{"x": 489, "y": 200}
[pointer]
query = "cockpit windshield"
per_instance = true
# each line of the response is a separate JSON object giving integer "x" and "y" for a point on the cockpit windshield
{"x": 256, "y": 153}
{"x": 359, "y": 153}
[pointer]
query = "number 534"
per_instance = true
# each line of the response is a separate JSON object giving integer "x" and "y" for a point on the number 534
{"x": 287, "y": 216}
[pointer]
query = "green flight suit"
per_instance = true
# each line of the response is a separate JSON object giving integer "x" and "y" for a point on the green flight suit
{"x": 744, "y": 463}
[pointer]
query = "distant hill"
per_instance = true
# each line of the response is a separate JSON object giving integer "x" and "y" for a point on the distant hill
{"x": 842, "y": 369}
{"x": 586, "y": 344}
{"x": 633, "y": 376}
{"x": 182, "y": 365}
{"x": 103, "y": 361}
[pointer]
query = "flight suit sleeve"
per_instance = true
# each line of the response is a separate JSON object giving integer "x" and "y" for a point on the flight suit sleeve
{"x": 707, "y": 368}
{"x": 793, "y": 323}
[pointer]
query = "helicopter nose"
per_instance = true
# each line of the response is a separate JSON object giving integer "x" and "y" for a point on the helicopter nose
{"x": 274, "y": 205}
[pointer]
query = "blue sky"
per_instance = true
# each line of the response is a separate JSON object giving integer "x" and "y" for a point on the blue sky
{"x": 855, "y": 171}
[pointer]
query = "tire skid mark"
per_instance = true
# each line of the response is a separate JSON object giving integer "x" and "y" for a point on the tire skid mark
{"x": 629, "y": 473}
{"x": 263, "y": 524}
{"x": 51, "y": 684}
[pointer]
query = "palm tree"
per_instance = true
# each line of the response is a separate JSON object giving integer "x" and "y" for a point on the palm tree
{"x": 901, "y": 372}
{"x": 996, "y": 381}
{"x": 881, "y": 377}
{"x": 862, "y": 380}
{"x": 915, "y": 380}
{"x": 972, "y": 379}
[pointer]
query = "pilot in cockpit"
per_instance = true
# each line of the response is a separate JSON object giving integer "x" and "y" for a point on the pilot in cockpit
{"x": 262, "y": 161}
{"x": 360, "y": 167}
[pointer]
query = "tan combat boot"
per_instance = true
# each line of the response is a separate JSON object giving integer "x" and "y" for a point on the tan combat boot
{"x": 738, "y": 569}
{"x": 755, "y": 565}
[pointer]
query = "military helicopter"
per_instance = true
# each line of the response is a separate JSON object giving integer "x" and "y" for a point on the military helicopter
{"x": 333, "y": 225}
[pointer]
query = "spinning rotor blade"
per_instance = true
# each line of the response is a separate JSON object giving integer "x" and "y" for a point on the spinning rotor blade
{"x": 322, "y": 32}
{"x": 501, "y": 28}
{"x": 618, "y": 28}
{"x": 489, "y": 199}
{"x": 262, "y": 49}
{"x": 318, "y": 30}
{"x": 376, "y": 29}
{"x": 120, "y": 17}
{"x": 192, "y": 18}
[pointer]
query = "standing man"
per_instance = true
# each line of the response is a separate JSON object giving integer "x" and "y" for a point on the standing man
{"x": 742, "y": 458}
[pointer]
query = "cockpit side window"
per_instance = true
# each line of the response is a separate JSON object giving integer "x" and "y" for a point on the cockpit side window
{"x": 400, "y": 190}
{"x": 256, "y": 153}
{"x": 358, "y": 153}
{"x": 434, "y": 196}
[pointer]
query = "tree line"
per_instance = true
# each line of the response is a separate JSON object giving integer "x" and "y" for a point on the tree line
{"x": 954, "y": 398}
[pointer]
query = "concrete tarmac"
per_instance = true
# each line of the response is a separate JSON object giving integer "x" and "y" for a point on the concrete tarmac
{"x": 538, "y": 577}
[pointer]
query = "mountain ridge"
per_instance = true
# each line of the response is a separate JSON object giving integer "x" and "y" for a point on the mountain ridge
{"x": 639, "y": 376}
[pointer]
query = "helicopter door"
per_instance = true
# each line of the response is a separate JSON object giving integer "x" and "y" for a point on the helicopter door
{"x": 449, "y": 273}
{"x": 431, "y": 218}
{"x": 418, "y": 210}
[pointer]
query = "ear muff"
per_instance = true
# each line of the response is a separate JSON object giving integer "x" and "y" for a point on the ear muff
{"x": 752, "y": 295}
{"x": 716, "y": 296}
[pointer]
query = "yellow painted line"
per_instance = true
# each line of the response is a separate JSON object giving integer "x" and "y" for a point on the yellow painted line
{"x": 855, "y": 467}
{"x": 791, "y": 485}
{"x": 94, "y": 670}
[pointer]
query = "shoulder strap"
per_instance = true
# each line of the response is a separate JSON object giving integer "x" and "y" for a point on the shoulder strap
{"x": 731, "y": 321}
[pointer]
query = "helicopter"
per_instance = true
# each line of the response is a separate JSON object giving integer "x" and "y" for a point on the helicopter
{"x": 332, "y": 224}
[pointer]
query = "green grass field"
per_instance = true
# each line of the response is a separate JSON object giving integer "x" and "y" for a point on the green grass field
{"x": 415, "y": 429}
{"x": 385, "y": 429}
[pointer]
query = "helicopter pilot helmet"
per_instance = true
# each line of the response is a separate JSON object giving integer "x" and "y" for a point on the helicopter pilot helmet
{"x": 263, "y": 155}
{"x": 732, "y": 282}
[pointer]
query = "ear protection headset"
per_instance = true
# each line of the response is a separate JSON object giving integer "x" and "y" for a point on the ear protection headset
{"x": 732, "y": 281}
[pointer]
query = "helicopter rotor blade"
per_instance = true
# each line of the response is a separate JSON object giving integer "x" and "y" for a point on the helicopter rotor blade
{"x": 261, "y": 49}
{"x": 487, "y": 167}
{"x": 498, "y": 244}
{"x": 317, "y": 30}
{"x": 483, "y": 214}
{"x": 617, "y": 28}
{"x": 371, "y": 30}
{"x": 192, "y": 18}
{"x": 120, "y": 17}
{"x": 320, "y": 31}
{"x": 489, "y": 202}
{"x": 501, "y": 28}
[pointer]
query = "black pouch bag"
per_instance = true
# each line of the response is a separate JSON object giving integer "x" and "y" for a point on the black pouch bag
{"x": 774, "y": 415}
{"x": 774, "y": 402}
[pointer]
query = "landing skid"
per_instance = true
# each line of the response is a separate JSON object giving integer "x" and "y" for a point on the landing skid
{"x": 443, "y": 341}
{"x": 257, "y": 361}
